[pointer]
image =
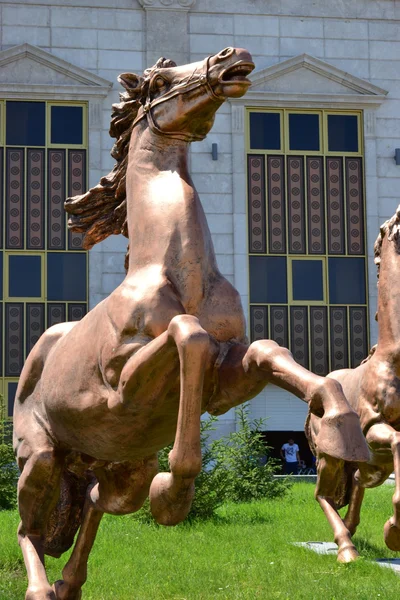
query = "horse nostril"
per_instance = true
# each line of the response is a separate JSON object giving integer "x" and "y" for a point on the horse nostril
{"x": 226, "y": 52}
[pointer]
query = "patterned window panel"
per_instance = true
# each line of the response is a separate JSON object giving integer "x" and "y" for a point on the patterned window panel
{"x": 76, "y": 311}
{"x": 276, "y": 205}
{"x": 76, "y": 186}
{"x": 358, "y": 335}
{"x": 15, "y": 198}
{"x": 35, "y": 227}
{"x": 14, "y": 338}
{"x": 315, "y": 204}
{"x": 259, "y": 323}
{"x": 279, "y": 325}
{"x": 1, "y": 196}
{"x": 319, "y": 340}
{"x": 338, "y": 329}
{"x": 335, "y": 203}
{"x": 56, "y": 198}
{"x": 296, "y": 216}
{"x": 35, "y": 325}
{"x": 56, "y": 313}
{"x": 354, "y": 200}
{"x": 299, "y": 334}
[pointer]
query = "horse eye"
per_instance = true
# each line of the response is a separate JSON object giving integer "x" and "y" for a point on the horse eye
{"x": 159, "y": 82}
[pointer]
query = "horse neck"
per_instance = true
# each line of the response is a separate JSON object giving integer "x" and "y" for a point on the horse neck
{"x": 166, "y": 221}
{"x": 389, "y": 300}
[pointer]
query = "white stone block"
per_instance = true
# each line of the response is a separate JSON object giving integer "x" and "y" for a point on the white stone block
{"x": 63, "y": 37}
{"x": 258, "y": 45}
{"x": 222, "y": 123}
{"x": 371, "y": 185}
{"x": 95, "y": 150}
{"x": 378, "y": 9}
{"x": 225, "y": 263}
{"x": 240, "y": 234}
{"x": 390, "y": 108}
{"x": 388, "y": 168}
{"x": 94, "y": 177}
{"x": 301, "y": 27}
{"x": 209, "y": 44}
{"x": 385, "y": 147}
{"x": 346, "y": 49}
{"x": 223, "y": 140}
{"x": 85, "y": 59}
{"x": 70, "y": 16}
{"x": 220, "y": 223}
{"x": 390, "y": 85}
{"x": 384, "y": 30}
{"x": 370, "y": 159}
{"x": 14, "y": 35}
{"x": 114, "y": 243}
{"x": 212, "y": 183}
{"x": 217, "y": 204}
{"x": 294, "y": 46}
{"x": 107, "y": 141}
{"x": 389, "y": 128}
{"x": 387, "y": 207}
{"x": 384, "y": 50}
{"x": 359, "y": 68}
{"x": 341, "y": 29}
{"x": 211, "y": 24}
{"x": 389, "y": 187}
{"x": 256, "y": 25}
{"x": 119, "y": 40}
{"x": 113, "y": 262}
{"x": 223, "y": 243}
{"x": 119, "y": 59}
{"x": 107, "y": 162}
{"x": 239, "y": 193}
{"x": 203, "y": 163}
{"x": 25, "y": 15}
{"x": 131, "y": 20}
{"x": 241, "y": 264}
{"x": 110, "y": 281}
{"x": 386, "y": 69}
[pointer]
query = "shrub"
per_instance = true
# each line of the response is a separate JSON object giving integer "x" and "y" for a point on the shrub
{"x": 8, "y": 469}
{"x": 244, "y": 457}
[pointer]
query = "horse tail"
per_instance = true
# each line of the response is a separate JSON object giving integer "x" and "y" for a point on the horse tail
{"x": 66, "y": 516}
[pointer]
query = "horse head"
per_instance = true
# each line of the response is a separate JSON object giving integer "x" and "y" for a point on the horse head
{"x": 181, "y": 101}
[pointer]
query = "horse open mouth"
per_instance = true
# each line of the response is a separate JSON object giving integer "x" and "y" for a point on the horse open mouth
{"x": 237, "y": 73}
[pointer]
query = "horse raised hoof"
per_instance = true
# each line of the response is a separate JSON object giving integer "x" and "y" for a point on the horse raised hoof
{"x": 391, "y": 534}
{"x": 34, "y": 593}
{"x": 63, "y": 591}
{"x": 340, "y": 436}
{"x": 170, "y": 500}
{"x": 347, "y": 553}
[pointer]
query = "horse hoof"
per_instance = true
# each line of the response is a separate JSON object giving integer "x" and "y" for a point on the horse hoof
{"x": 34, "y": 593}
{"x": 392, "y": 535}
{"x": 63, "y": 591}
{"x": 170, "y": 500}
{"x": 347, "y": 554}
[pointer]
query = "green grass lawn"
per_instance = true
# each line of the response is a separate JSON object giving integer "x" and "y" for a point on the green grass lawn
{"x": 245, "y": 553}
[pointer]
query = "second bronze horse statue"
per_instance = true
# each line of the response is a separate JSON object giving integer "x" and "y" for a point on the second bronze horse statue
{"x": 97, "y": 399}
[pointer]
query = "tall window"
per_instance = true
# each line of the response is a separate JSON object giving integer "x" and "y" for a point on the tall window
{"x": 307, "y": 254}
{"x": 43, "y": 266}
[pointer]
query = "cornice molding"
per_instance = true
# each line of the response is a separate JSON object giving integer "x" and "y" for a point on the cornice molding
{"x": 182, "y": 5}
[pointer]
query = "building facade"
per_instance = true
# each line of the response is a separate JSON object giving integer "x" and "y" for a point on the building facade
{"x": 304, "y": 173}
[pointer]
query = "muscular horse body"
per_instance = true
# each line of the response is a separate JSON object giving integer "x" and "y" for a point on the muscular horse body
{"x": 97, "y": 399}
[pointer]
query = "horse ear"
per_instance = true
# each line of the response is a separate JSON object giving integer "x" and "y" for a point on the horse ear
{"x": 130, "y": 81}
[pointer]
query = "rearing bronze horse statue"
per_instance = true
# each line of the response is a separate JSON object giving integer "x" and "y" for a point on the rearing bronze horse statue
{"x": 97, "y": 399}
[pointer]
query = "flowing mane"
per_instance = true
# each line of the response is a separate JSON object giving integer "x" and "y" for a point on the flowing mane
{"x": 101, "y": 211}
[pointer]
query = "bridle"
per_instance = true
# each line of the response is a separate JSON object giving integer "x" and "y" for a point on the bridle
{"x": 182, "y": 88}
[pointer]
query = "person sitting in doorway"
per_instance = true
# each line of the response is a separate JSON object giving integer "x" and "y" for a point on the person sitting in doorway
{"x": 290, "y": 454}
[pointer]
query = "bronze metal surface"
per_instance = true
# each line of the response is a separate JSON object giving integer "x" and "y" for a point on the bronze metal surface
{"x": 373, "y": 391}
{"x": 100, "y": 397}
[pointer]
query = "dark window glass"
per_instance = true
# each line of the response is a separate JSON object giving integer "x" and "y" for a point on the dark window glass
{"x": 265, "y": 131}
{"x": 11, "y": 391}
{"x": 26, "y": 123}
{"x": 303, "y": 132}
{"x": 342, "y": 133}
{"x": 308, "y": 283}
{"x": 25, "y": 276}
{"x": 346, "y": 281}
{"x": 66, "y": 124}
{"x": 268, "y": 279}
{"x": 66, "y": 276}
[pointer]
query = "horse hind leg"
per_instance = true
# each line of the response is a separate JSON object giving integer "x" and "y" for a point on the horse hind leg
{"x": 38, "y": 491}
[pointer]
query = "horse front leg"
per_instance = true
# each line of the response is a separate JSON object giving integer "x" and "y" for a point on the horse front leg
{"x": 246, "y": 371}
{"x": 171, "y": 494}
